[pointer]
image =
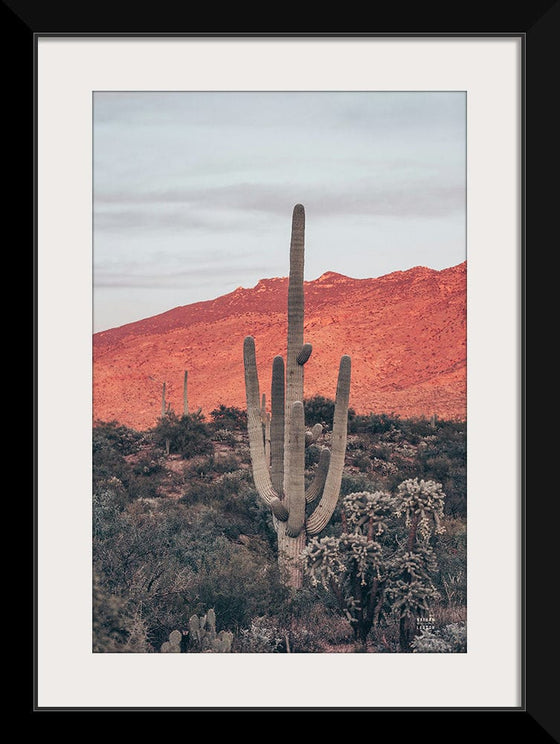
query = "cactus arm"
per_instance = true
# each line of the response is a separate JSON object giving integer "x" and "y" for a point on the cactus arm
{"x": 185, "y": 393}
{"x": 277, "y": 425}
{"x": 295, "y": 487}
{"x": 304, "y": 354}
{"x": 315, "y": 488}
{"x": 211, "y": 621}
{"x": 163, "y": 400}
{"x": 319, "y": 518}
{"x": 261, "y": 475}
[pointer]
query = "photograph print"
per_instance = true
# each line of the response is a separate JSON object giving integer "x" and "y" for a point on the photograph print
{"x": 279, "y": 360}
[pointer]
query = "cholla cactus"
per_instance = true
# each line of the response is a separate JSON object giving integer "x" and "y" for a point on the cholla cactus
{"x": 367, "y": 509}
{"x": 411, "y": 590}
{"x": 354, "y": 565}
{"x": 280, "y": 480}
{"x": 421, "y": 502}
{"x": 373, "y": 577}
{"x": 185, "y": 392}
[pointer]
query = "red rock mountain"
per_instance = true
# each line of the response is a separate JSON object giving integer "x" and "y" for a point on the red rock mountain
{"x": 405, "y": 332}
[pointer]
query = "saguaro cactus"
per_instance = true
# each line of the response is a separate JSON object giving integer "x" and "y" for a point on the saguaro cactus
{"x": 280, "y": 482}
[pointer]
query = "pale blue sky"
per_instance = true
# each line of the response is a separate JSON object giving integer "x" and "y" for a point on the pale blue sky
{"x": 193, "y": 192}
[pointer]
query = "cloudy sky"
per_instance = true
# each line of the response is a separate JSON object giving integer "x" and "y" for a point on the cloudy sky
{"x": 193, "y": 191}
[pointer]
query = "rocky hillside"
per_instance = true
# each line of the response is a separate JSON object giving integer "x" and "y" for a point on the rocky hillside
{"x": 405, "y": 332}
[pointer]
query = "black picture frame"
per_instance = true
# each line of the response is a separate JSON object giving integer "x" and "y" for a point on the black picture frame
{"x": 538, "y": 25}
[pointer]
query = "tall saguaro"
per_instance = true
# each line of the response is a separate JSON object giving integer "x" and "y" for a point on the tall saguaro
{"x": 280, "y": 480}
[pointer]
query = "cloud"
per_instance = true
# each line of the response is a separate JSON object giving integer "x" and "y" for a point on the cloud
{"x": 199, "y": 273}
{"x": 226, "y": 208}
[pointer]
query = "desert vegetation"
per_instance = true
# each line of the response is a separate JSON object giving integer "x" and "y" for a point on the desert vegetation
{"x": 183, "y": 533}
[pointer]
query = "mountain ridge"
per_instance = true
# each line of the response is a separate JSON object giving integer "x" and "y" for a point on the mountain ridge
{"x": 405, "y": 332}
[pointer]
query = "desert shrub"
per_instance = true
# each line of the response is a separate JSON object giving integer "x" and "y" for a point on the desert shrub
{"x": 381, "y": 451}
{"x": 186, "y": 435}
{"x": 263, "y": 636}
{"x": 225, "y": 436}
{"x": 444, "y": 458}
{"x": 237, "y": 583}
{"x": 107, "y": 460}
{"x": 320, "y": 410}
{"x": 244, "y": 454}
{"x": 456, "y": 487}
{"x": 145, "y": 477}
{"x": 305, "y": 622}
{"x": 148, "y": 465}
{"x": 314, "y": 621}
{"x": 363, "y": 463}
{"x": 232, "y": 494}
{"x": 437, "y": 467}
{"x": 228, "y": 417}
{"x": 145, "y": 486}
{"x": 116, "y": 629}
{"x": 224, "y": 463}
{"x": 122, "y": 439}
{"x": 312, "y": 455}
{"x": 139, "y": 555}
{"x": 451, "y": 550}
{"x": 451, "y": 639}
{"x": 205, "y": 468}
{"x": 352, "y": 483}
{"x": 109, "y": 502}
{"x": 383, "y": 423}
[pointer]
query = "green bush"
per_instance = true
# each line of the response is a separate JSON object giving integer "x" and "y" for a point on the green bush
{"x": 108, "y": 459}
{"x": 379, "y": 423}
{"x": 312, "y": 455}
{"x": 228, "y": 417}
{"x": 320, "y": 410}
{"x": 186, "y": 435}
{"x": 237, "y": 583}
{"x": 122, "y": 439}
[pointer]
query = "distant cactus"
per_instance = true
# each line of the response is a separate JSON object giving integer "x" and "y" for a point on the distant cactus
{"x": 173, "y": 645}
{"x": 201, "y": 637}
{"x": 164, "y": 410}
{"x": 185, "y": 395}
{"x": 280, "y": 481}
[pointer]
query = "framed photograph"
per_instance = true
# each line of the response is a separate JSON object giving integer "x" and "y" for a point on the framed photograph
{"x": 95, "y": 97}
